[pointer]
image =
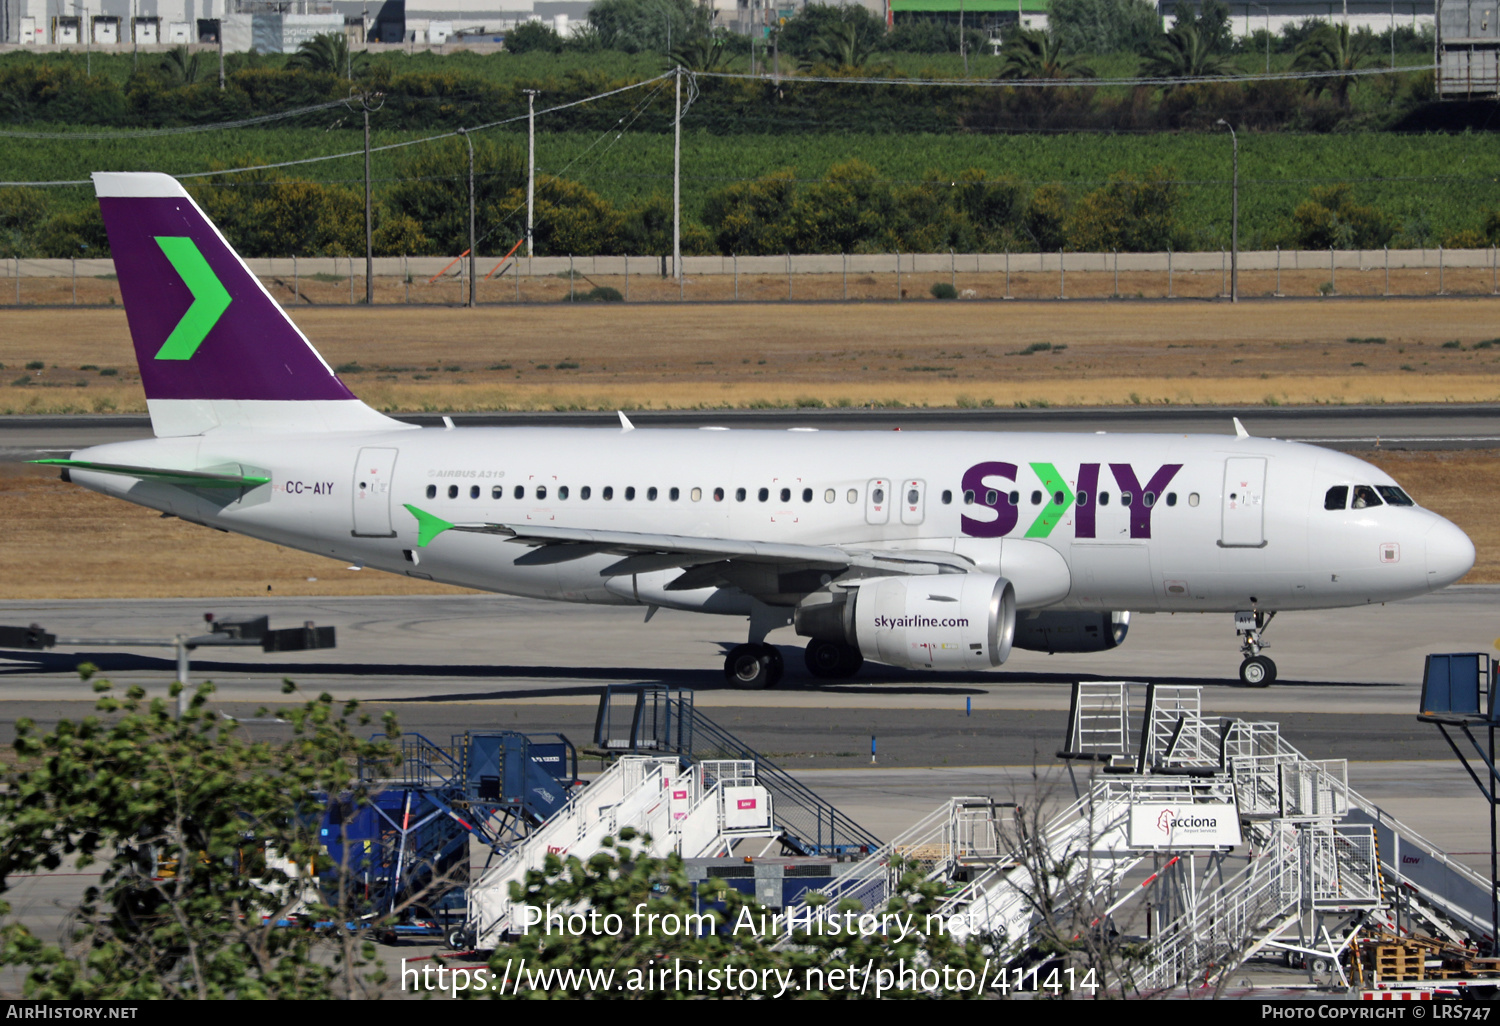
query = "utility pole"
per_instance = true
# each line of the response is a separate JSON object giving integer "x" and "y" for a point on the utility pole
{"x": 677, "y": 180}
{"x": 364, "y": 103}
{"x": 465, "y": 133}
{"x": 1234, "y": 218}
{"x": 222, "y": 19}
{"x": 962, "y": 48}
{"x": 530, "y": 166}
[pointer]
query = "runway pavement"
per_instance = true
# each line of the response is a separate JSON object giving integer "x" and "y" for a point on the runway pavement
{"x": 1350, "y": 428}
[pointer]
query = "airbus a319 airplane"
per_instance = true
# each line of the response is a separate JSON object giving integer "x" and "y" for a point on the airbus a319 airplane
{"x": 940, "y": 550}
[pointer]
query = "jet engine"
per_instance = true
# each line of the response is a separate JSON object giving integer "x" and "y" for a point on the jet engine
{"x": 1053, "y": 632}
{"x": 932, "y": 622}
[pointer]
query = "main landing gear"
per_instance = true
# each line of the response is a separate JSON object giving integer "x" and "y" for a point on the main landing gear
{"x": 1257, "y": 671}
{"x": 754, "y": 666}
{"x": 832, "y": 660}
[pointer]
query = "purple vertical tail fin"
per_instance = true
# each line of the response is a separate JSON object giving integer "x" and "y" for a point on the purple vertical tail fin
{"x": 214, "y": 349}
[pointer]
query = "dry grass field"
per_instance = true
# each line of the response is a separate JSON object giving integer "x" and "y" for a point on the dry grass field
{"x": 538, "y": 356}
{"x": 607, "y": 356}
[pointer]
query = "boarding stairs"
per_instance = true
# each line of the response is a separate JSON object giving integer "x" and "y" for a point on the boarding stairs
{"x": 701, "y": 811}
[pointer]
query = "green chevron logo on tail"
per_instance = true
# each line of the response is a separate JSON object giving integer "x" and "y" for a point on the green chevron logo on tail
{"x": 210, "y": 298}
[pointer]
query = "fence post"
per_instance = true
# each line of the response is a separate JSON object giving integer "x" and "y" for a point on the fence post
{"x": 75, "y": 281}
{"x": 788, "y": 277}
{"x": 953, "y": 270}
{"x": 1333, "y": 273}
{"x": 1169, "y": 272}
{"x": 736, "y": 258}
{"x": 1388, "y": 268}
{"x": 18, "y": 281}
{"x": 351, "y": 277}
{"x": 1117, "y": 274}
{"x": 1062, "y": 276}
{"x": 898, "y": 276}
{"x": 681, "y": 281}
{"x": 296, "y": 282}
{"x": 570, "y": 277}
{"x": 1223, "y": 272}
{"x": 1441, "y": 290}
{"x": 1492, "y": 271}
{"x": 406, "y": 277}
{"x": 1278, "y": 268}
{"x": 627, "y": 282}
{"x": 846, "y": 276}
{"x": 1007, "y": 272}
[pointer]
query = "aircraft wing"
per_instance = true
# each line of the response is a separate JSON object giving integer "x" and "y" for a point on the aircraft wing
{"x": 707, "y": 559}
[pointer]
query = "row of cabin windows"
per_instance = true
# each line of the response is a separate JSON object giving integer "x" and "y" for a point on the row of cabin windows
{"x": 993, "y": 497}
{"x": 1365, "y": 497}
{"x": 877, "y": 495}
{"x": 607, "y": 493}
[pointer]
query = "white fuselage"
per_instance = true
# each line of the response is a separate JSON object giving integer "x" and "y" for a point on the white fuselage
{"x": 1241, "y": 524}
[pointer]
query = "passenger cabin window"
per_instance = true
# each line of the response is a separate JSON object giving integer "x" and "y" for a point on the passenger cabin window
{"x": 807, "y": 495}
{"x": 1171, "y": 498}
{"x": 1104, "y": 498}
{"x": 473, "y": 491}
{"x": 1015, "y": 498}
{"x": 913, "y": 497}
{"x": 786, "y": 495}
{"x": 541, "y": 491}
{"x": 1394, "y": 496}
{"x": 651, "y": 494}
{"x": 1036, "y": 498}
{"x": 718, "y": 495}
{"x": 697, "y": 494}
{"x": 585, "y": 492}
{"x": 877, "y": 496}
{"x": 829, "y": 495}
{"x": 969, "y": 497}
{"x": 608, "y": 493}
{"x": 763, "y": 494}
{"x": 1148, "y": 499}
{"x": 497, "y": 492}
{"x": 1083, "y": 498}
{"x": 947, "y": 497}
{"x": 630, "y": 493}
{"x": 1337, "y": 497}
{"x": 562, "y": 492}
{"x": 453, "y": 491}
{"x": 1192, "y": 498}
{"x": 1126, "y": 498}
{"x": 990, "y": 497}
{"x": 739, "y": 495}
{"x": 673, "y": 494}
{"x": 520, "y": 491}
{"x": 852, "y": 496}
{"x": 1364, "y": 496}
{"x": 432, "y": 491}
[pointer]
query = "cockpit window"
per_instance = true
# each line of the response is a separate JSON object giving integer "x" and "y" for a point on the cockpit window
{"x": 1337, "y": 497}
{"x": 1365, "y": 496}
{"x": 1394, "y": 496}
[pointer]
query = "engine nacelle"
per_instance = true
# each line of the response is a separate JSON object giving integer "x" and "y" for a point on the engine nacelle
{"x": 1053, "y": 632}
{"x": 932, "y": 622}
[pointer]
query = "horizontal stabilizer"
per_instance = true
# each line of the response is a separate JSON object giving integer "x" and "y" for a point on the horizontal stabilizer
{"x": 188, "y": 478}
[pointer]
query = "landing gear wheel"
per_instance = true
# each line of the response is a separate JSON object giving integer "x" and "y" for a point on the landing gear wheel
{"x": 831, "y": 660}
{"x": 458, "y": 939}
{"x": 1258, "y": 672}
{"x": 752, "y": 667}
{"x": 777, "y": 668}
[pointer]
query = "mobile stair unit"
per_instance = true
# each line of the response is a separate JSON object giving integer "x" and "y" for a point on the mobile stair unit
{"x": 1202, "y": 842}
{"x": 696, "y": 812}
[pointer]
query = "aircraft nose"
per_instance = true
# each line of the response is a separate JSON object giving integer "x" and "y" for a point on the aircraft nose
{"x": 1450, "y": 554}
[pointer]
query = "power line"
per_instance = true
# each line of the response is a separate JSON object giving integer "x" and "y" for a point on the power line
{"x": 1069, "y": 83}
{"x": 143, "y": 133}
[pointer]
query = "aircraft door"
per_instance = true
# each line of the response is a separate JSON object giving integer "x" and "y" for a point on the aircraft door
{"x": 372, "y": 493}
{"x": 878, "y": 501}
{"x": 1244, "y": 503}
{"x": 913, "y": 498}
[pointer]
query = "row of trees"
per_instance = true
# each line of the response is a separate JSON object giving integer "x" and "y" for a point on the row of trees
{"x": 851, "y": 209}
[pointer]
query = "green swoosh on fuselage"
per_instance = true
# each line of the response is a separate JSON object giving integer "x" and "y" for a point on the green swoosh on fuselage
{"x": 1052, "y": 513}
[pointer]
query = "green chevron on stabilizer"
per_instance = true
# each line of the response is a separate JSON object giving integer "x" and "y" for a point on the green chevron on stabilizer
{"x": 210, "y": 298}
{"x": 428, "y": 525}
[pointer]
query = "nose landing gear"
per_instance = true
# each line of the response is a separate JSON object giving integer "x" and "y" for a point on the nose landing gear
{"x": 1256, "y": 671}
